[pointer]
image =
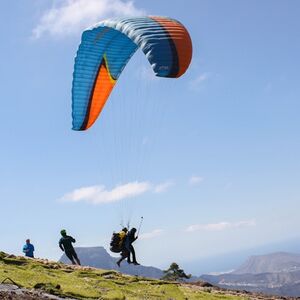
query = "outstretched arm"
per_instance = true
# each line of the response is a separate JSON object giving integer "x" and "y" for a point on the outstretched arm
{"x": 61, "y": 246}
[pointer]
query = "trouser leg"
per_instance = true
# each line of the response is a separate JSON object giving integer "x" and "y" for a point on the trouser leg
{"x": 70, "y": 257}
{"x": 76, "y": 258}
{"x": 132, "y": 251}
{"x": 124, "y": 254}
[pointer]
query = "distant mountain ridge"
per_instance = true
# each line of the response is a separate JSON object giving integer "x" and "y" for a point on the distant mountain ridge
{"x": 275, "y": 273}
{"x": 98, "y": 257}
{"x": 270, "y": 263}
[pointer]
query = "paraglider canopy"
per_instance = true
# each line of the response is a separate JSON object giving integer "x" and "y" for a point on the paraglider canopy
{"x": 105, "y": 50}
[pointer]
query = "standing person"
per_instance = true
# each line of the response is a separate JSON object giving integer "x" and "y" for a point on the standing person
{"x": 28, "y": 249}
{"x": 130, "y": 238}
{"x": 65, "y": 244}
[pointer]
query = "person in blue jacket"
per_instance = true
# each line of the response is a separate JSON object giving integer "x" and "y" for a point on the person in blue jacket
{"x": 28, "y": 249}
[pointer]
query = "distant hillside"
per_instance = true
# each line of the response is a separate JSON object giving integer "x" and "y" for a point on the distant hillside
{"x": 98, "y": 257}
{"x": 221, "y": 263}
{"x": 36, "y": 279}
{"x": 276, "y": 273}
{"x": 270, "y": 263}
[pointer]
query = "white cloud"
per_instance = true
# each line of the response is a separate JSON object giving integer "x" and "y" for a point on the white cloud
{"x": 150, "y": 235}
{"x": 160, "y": 188}
{"x": 220, "y": 226}
{"x": 195, "y": 180}
{"x": 98, "y": 194}
{"x": 72, "y": 16}
{"x": 197, "y": 82}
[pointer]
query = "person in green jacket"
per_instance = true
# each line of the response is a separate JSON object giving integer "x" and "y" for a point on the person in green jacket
{"x": 65, "y": 244}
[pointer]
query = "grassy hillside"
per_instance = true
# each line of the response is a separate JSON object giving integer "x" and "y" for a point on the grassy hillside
{"x": 88, "y": 283}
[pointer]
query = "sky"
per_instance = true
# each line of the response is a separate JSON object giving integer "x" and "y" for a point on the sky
{"x": 209, "y": 160}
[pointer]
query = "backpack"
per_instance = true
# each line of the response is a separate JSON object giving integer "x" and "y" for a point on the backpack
{"x": 115, "y": 243}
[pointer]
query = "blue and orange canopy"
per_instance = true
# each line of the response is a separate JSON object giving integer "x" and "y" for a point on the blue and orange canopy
{"x": 105, "y": 50}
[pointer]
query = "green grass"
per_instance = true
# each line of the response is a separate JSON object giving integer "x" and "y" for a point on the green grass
{"x": 88, "y": 283}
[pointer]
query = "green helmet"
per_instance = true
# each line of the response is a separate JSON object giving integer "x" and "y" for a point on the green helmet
{"x": 63, "y": 232}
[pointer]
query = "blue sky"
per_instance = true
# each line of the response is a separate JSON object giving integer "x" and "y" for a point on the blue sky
{"x": 212, "y": 157}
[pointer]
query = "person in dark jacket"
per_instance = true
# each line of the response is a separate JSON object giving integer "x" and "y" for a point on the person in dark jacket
{"x": 65, "y": 244}
{"x": 130, "y": 238}
{"x": 28, "y": 249}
